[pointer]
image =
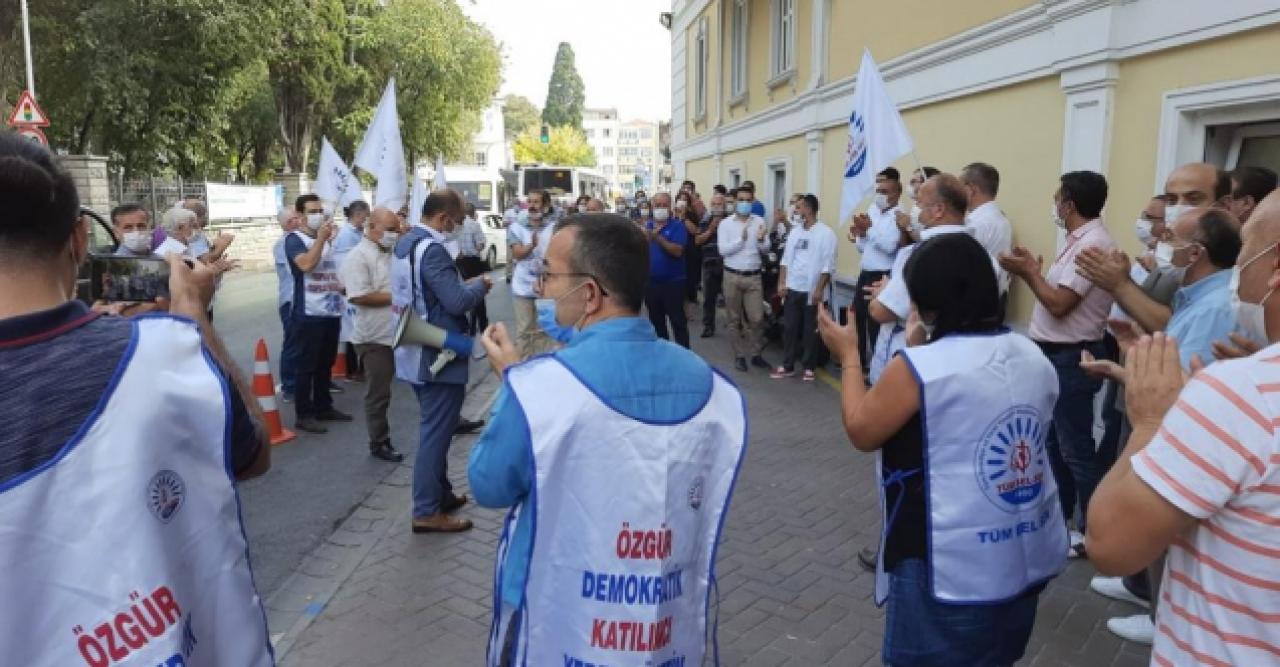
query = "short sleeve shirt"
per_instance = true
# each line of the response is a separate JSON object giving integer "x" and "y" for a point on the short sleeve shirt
{"x": 1216, "y": 458}
{"x": 1088, "y": 319}
{"x": 663, "y": 267}
{"x": 366, "y": 271}
{"x": 809, "y": 253}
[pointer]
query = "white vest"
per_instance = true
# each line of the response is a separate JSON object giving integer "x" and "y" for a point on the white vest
{"x": 626, "y": 519}
{"x": 528, "y": 269}
{"x": 995, "y": 524}
{"x": 127, "y": 548}
{"x": 321, "y": 286}
{"x": 404, "y": 296}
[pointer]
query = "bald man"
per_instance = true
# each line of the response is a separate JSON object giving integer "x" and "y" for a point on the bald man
{"x": 1198, "y": 477}
{"x": 1189, "y": 186}
{"x": 366, "y": 275}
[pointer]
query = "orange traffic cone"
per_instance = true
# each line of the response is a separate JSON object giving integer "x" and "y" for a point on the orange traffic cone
{"x": 339, "y": 369}
{"x": 264, "y": 389}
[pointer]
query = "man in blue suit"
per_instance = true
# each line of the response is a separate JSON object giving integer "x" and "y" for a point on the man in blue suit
{"x": 425, "y": 278}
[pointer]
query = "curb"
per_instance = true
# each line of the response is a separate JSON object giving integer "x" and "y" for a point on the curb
{"x": 305, "y": 593}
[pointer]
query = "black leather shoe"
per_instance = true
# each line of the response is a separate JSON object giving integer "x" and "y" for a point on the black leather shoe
{"x": 387, "y": 453}
{"x": 708, "y": 332}
{"x": 309, "y": 425}
{"x": 740, "y": 364}
{"x": 759, "y": 362}
{"x": 468, "y": 426}
{"x": 868, "y": 558}
{"x": 332, "y": 415}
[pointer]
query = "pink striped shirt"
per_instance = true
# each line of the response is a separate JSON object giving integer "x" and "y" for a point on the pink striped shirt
{"x": 1216, "y": 458}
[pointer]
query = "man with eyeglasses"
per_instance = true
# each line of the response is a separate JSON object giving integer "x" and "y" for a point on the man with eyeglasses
{"x": 578, "y": 442}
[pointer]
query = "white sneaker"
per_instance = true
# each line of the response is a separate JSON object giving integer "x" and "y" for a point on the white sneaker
{"x": 1113, "y": 587}
{"x": 1137, "y": 628}
{"x": 1075, "y": 539}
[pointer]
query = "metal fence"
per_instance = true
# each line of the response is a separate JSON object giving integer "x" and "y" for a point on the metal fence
{"x": 154, "y": 193}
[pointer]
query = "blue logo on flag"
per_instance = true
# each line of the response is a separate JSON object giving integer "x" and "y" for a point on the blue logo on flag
{"x": 855, "y": 156}
{"x": 1010, "y": 460}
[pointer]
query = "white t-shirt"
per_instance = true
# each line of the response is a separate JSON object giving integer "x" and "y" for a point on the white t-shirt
{"x": 809, "y": 254}
{"x": 527, "y": 269}
{"x": 1217, "y": 458}
{"x": 368, "y": 270}
{"x": 992, "y": 229}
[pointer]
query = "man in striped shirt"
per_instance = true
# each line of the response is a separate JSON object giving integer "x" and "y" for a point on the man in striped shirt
{"x": 1201, "y": 477}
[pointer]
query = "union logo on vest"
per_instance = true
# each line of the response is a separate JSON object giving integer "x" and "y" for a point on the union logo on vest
{"x": 1010, "y": 459}
{"x": 165, "y": 493}
{"x": 855, "y": 156}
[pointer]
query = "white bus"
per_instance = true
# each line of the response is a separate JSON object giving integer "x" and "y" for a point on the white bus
{"x": 565, "y": 184}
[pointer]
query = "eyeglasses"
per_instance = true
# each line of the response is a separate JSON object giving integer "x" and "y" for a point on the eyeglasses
{"x": 541, "y": 280}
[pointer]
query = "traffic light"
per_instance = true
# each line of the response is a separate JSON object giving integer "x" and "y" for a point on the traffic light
{"x": 546, "y": 134}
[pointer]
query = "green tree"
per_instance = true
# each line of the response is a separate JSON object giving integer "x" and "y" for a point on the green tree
{"x": 518, "y": 115}
{"x": 565, "y": 93}
{"x": 567, "y": 147}
{"x": 306, "y": 63}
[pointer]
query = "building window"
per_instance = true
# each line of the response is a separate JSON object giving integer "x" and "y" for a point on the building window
{"x": 608, "y": 151}
{"x": 646, "y": 134}
{"x": 591, "y": 133}
{"x": 607, "y": 133}
{"x": 481, "y": 159}
{"x": 700, "y": 71}
{"x": 784, "y": 37}
{"x": 738, "y": 50}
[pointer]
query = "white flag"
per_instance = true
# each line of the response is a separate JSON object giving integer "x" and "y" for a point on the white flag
{"x": 877, "y": 136}
{"x": 439, "y": 183}
{"x": 334, "y": 180}
{"x": 381, "y": 153}
{"x": 417, "y": 199}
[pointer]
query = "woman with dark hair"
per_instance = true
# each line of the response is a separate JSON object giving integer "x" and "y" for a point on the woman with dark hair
{"x": 972, "y": 527}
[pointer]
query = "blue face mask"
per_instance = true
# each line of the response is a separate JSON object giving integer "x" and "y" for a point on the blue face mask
{"x": 743, "y": 208}
{"x": 547, "y": 319}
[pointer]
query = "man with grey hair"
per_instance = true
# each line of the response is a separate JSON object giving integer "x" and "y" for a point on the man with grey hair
{"x": 614, "y": 382}
{"x": 289, "y": 220}
{"x": 201, "y": 248}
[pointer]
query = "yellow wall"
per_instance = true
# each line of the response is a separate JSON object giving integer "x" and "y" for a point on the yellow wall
{"x": 1139, "y": 92}
{"x": 753, "y": 162}
{"x": 702, "y": 173}
{"x": 891, "y": 29}
{"x": 695, "y": 126}
{"x": 1027, "y": 150}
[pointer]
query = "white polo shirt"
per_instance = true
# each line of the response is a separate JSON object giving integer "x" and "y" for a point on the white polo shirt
{"x": 809, "y": 253}
{"x": 880, "y": 245}
{"x": 993, "y": 230}
{"x": 739, "y": 254}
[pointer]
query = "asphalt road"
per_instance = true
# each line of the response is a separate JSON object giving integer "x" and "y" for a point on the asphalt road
{"x": 315, "y": 480}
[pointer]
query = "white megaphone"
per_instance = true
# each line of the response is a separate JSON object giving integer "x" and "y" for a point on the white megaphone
{"x": 413, "y": 330}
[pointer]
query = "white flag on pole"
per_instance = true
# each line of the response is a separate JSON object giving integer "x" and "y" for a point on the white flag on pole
{"x": 381, "y": 152}
{"x": 334, "y": 180}
{"x": 439, "y": 183}
{"x": 417, "y": 199}
{"x": 877, "y": 136}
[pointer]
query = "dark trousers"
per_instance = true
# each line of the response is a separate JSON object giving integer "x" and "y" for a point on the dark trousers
{"x": 800, "y": 340}
{"x": 693, "y": 271}
{"x": 353, "y": 360}
{"x": 317, "y": 341}
{"x": 1072, "y": 452}
{"x": 441, "y": 407}
{"x": 379, "y": 364}
{"x": 868, "y": 327}
{"x": 712, "y": 288}
{"x": 665, "y": 301}
{"x": 288, "y": 351}
{"x": 478, "y": 318}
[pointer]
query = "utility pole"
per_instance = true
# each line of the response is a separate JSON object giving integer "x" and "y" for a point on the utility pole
{"x": 26, "y": 47}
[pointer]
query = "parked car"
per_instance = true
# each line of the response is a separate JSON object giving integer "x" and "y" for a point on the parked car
{"x": 495, "y": 236}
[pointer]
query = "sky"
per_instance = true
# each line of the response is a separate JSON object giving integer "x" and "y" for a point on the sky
{"x": 622, "y": 53}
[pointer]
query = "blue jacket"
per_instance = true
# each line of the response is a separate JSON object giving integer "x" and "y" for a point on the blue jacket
{"x": 447, "y": 296}
{"x": 628, "y": 367}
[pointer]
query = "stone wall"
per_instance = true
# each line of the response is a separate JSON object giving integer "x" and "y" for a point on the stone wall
{"x": 254, "y": 240}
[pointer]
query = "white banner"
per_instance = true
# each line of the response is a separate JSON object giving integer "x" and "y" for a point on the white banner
{"x": 877, "y": 136}
{"x": 381, "y": 152}
{"x": 241, "y": 201}
{"x": 334, "y": 180}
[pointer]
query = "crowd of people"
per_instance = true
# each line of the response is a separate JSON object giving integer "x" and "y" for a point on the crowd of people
{"x": 990, "y": 471}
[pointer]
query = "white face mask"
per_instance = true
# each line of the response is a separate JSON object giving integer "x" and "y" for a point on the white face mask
{"x": 661, "y": 214}
{"x": 1250, "y": 317}
{"x": 1143, "y": 229}
{"x": 582, "y": 208}
{"x": 882, "y": 201}
{"x": 138, "y": 242}
{"x": 681, "y": 205}
{"x": 314, "y": 221}
{"x": 1057, "y": 219}
{"x": 1171, "y": 213}
{"x": 1164, "y": 260}
{"x": 388, "y": 240}
{"x": 797, "y": 219}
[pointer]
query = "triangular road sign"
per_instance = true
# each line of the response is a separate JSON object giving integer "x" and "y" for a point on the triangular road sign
{"x": 27, "y": 112}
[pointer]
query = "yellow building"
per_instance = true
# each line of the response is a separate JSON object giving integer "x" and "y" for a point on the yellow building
{"x": 762, "y": 90}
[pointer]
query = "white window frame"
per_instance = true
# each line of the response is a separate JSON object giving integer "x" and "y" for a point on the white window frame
{"x": 1187, "y": 113}
{"x": 1248, "y": 132}
{"x": 782, "y": 42}
{"x": 700, "y": 67}
{"x": 735, "y": 175}
{"x": 771, "y": 167}
{"x": 739, "y": 29}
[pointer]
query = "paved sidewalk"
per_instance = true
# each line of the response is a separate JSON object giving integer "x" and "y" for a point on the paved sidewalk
{"x": 791, "y": 588}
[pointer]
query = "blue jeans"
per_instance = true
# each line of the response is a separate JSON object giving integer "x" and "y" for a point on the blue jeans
{"x": 1073, "y": 453}
{"x": 288, "y": 351}
{"x": 441, "y": 406}
{"x": 922, "y": 632}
